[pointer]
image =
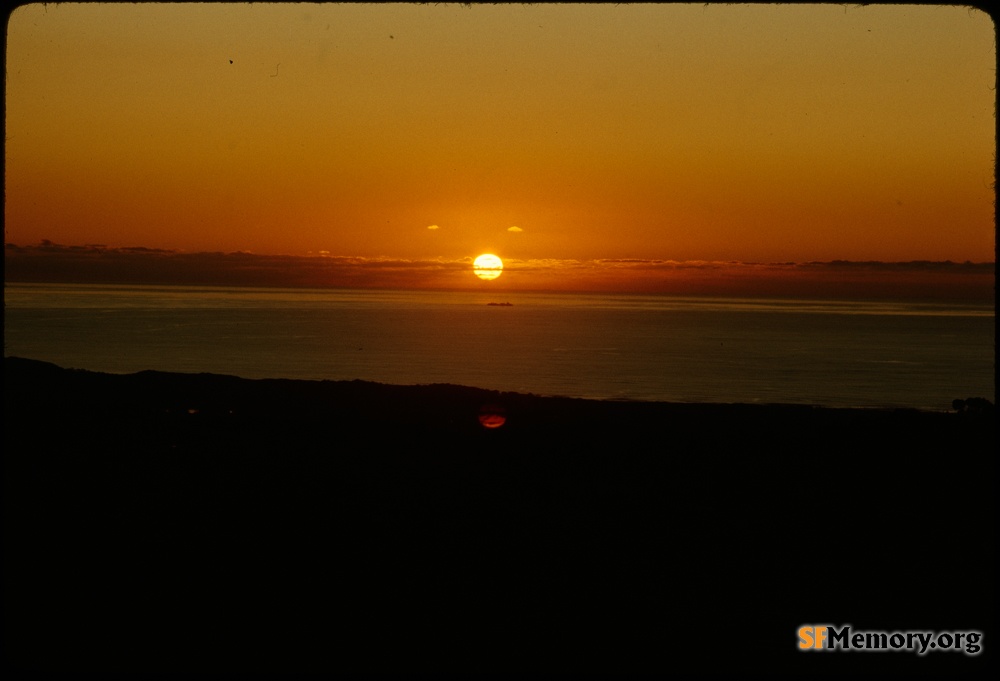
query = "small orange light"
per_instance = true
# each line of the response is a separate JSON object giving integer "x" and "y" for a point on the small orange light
{"x": 492, "y": 416}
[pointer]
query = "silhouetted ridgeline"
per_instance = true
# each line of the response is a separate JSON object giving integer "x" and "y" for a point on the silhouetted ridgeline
{"x": 166, "y": 522}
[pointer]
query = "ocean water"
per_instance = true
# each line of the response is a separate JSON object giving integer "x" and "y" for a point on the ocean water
{"x": 633, "y": 347}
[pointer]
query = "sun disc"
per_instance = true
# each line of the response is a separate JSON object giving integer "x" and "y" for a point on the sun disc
{"x": 487, "y": 266}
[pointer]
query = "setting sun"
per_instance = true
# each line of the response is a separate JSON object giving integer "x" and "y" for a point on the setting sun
{"x": 487, "y": 266}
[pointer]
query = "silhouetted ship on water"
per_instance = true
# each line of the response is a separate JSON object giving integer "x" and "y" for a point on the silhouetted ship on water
{"x": 500, "y": 304}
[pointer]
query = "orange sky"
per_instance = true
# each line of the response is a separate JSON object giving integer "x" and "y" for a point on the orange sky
{"x": 751, "y": 133}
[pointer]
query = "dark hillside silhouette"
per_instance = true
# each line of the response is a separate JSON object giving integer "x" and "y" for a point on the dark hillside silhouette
{"x": 173, "y": 522}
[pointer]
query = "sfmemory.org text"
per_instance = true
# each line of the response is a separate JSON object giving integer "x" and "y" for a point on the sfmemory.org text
{"x": 827, "y": 637}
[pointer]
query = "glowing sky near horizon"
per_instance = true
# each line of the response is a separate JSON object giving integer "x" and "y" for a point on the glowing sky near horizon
{"x": 756, "y": 133}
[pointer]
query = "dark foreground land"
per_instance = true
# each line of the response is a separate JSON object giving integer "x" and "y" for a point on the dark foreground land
{"x": 172, "y": 522}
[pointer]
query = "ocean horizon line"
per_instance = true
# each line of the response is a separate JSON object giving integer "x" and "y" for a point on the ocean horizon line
{"x": 862, "y": 279}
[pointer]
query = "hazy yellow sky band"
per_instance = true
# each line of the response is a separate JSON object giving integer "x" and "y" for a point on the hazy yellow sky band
{"x": 685, "y": 132}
